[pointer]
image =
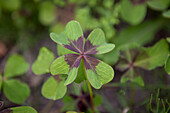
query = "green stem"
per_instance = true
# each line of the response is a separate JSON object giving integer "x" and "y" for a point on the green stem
{"x": 133, "y": 93}
{"x": 90, "y": 89}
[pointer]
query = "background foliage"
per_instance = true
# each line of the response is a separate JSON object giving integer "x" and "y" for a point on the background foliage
{"x": 141, "y": 58}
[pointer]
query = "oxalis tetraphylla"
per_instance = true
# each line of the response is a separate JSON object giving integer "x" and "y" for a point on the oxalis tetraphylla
{"x": 96, "y": 71}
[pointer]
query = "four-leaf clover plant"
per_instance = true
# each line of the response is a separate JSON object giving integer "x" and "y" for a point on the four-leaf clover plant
{"x": 96, "y": 71}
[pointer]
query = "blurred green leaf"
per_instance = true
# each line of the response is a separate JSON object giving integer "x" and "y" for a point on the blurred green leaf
{"x": 136, "y": 36}
{"x": 71, "y": 112}
{"x": 67, "y": 99}
{"x": 168, "y": 39}
{"x": 132, "y": 76}
{"x": 97, "y": 100}
{"x": 47, "y": 13}
{"x": 167, "y": 65}
{"x": 10, "y": 5}
{"x": 57, "y": 28}
{"x": 61, "y": 3}
{"x": 158, "y": 4}
{"x": 138, "y": 80}
{"x": 54, "y": 89}
{"x": 0, "y": 82}
{"x": 23, "y": 109}
{"x": 85, "y": 19}
{"x": 16, "y": 91}
{"x": 69, "y": 103}
{"x": 129, "y": 75}
{"x": 15, "y": 66}
{"x": 166, "y": 14}
{"x": 110, "y": 58}
{"x": 43, "y": 61}
{"x": 152, "y": 57}
{"x": 133, "y": 14}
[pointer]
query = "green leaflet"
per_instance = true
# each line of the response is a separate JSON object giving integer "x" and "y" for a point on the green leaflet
{"x": 59, "y": 38}
{"x": 23, "y": 109}
{"x": 97, "y": 37}
{"x": 11, "y": 5}
{"x": 166, "y": 14}
{"x": 105, "y": 48}
{"x": 54, "y": 89}
{"x": 71, "y": 112}
{"x": 167, "y": 65}
{"x": 130, "y": 75}
{"x": 168, "y": 39}
{"x": 71, "y": 76}
{"x": 57, "y": 28}
{"x": 15, "y": 66}
{"x": 47, "y": 13}
{"x": 16, "y": 91}
{"x": 152, "y": 57}
{"x": 94, "y": 79}
{"x": 0, "y": 82}
{"x": 73, "y": 30}
{"x": 133, "y": 14}
{"x": 86, "y": 20}
{"x": 110, "y": 58}
{"x": 138, "y": 80}
{"x": 158, "y": 4}
{"x": 104, "y": 74}
{"x": 59, "y": 66}
{"x": 43, "y": 61}
{"x": 63, "y": 51}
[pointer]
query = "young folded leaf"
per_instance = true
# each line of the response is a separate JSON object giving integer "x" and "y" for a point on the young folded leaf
{"x": 98, "y": 73}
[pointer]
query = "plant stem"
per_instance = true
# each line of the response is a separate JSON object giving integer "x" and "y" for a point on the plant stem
{"x": 90, "y": 89}
{"x": 133, "y": 93}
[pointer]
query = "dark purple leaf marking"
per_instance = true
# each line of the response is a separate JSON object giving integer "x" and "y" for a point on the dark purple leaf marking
{"x": 57, "y": 78}
{"x": 89, "y": 48}
{"x": 90, "y": 63}
{"x": 73, "y": 60}
{"x": 76, "y": 45}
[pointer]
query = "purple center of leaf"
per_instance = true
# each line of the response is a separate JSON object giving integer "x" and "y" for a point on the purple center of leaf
{"x": 73, "y": 60}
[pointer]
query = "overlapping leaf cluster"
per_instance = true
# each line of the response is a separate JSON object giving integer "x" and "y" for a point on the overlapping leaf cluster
{"x": 76, "y": 62}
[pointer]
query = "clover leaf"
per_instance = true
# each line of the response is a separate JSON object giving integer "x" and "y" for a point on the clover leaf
{"x": 21, "y": 109}
{"x": 147, "y": 58}
{"x": 43, "y": 62}
{"x": 98, "y": 72}
{"x": 54, "y": 87}
{"x": 15, "y": 90}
